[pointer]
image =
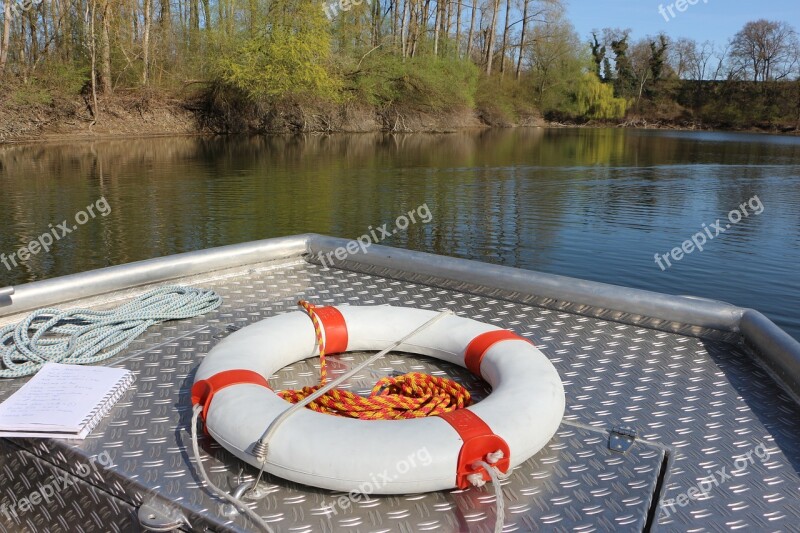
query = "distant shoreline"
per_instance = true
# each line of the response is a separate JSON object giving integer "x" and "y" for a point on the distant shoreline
{"x": 122, "y": 120}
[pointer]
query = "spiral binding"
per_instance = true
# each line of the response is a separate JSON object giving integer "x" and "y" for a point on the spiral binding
{"x": 107, "y": 403}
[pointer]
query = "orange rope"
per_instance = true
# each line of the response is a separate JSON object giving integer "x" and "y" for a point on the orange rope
{"x": 412, "y": 395}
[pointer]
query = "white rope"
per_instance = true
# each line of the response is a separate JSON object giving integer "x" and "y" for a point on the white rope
{"x": 86, "y": 336}
{"x": 218, "y": 491}
{"x": 498, "y": 491}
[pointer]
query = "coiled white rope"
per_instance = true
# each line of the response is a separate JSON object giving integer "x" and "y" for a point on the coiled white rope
{"x": 85, "y": 336}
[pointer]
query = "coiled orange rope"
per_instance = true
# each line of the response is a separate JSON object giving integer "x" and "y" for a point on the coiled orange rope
{"x": 412, "y": 395}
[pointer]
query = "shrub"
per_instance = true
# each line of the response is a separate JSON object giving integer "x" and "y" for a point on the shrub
{"x": 594, "y": 99}
{"x": 292, "y": 59}
{"x": 425, "y": 82}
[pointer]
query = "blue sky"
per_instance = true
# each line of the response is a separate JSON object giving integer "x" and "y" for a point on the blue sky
{"x": 714, "y": 20}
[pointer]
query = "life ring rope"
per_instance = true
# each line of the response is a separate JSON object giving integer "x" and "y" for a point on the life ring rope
{"x": 411, "y": 395}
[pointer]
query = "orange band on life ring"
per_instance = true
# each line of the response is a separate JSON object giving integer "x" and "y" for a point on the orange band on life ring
{"x": 335, "y": 329}
{"x": 204, "y": 390}
{"x": 479, "y": 441}
{"x": 478, "y": 347}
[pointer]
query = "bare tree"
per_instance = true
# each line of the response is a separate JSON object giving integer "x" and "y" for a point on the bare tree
{"x": 471, "y": 33}
{"x": 148, "y": 21}
{"x": 505, "y": 39}
{"x": 641, "y": 55}
{"x": 680, "y": 57}
{"x": 105, "y": 48}
{"x": 721, "y": 56}
{"x": 437, "y": 25}
{"x": 765, "y": 50}
{"x": 525, "y": 4}
{"x": 6, "y": 35}
{"x": 490, "y": 37}
{"x": 700, "y": 59}
{"x": 458, "y": 28}
{"x": 91, "y": 15}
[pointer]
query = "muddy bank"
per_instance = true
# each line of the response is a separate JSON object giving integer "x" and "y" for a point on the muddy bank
{"x": 139, "y": 114}
{"x": 143, "y": 115}
{"x": 642, "y": 123}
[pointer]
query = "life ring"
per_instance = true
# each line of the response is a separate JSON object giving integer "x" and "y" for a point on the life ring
{"x": 519, "y": 417}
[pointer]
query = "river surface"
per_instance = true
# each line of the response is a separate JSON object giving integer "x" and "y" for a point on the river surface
{"x": 597, "y": 204}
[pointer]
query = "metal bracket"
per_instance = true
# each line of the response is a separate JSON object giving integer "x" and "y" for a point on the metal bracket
{"x": 155, "y": 515}
{"x": 621, "y": 438}
{"x": 5, "y": 296}
{"x": 230, "y": 510}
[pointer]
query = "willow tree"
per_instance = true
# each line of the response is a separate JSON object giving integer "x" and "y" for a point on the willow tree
{"x": 288, "y": 57}
{"x": 595, "y": 99}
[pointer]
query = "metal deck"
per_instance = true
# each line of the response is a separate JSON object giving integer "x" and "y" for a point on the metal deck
{"x": 698, "y": 403}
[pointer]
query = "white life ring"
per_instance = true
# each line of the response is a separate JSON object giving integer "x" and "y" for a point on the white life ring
{"x": 520, "y": 416}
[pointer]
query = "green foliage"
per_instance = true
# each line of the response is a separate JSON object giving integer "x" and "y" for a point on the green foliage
{"x": 598, "y": 54}
{"x": 423, "y": 82}
{"x": 625, "y": 82}
{"x": 743, "y": 104}
{"x": 595, "y": 99}
{"x": 244, "y": 58}
{"x": 557, "y": 60}
{"x": 68, "y": 79}
{"x": 31, "y": 95}
{"x": 658, "y": 53}
{"x": 290, "y": 60}
{"x": 502, "y": 100}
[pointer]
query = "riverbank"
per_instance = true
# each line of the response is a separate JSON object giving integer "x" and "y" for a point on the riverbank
{"x": 138, "y": 114}
{"x": 149, "y": 115}
{"x": 643, "y": 123}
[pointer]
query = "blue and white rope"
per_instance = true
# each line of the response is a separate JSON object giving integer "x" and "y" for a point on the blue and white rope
{"x": 84, "y": 336}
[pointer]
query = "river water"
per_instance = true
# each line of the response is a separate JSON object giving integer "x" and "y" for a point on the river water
{"x": 591, "y": 203}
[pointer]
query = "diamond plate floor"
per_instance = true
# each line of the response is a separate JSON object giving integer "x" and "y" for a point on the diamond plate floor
{"x": 705, "y": 403}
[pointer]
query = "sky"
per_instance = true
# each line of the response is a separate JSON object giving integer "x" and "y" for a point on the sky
{"x": 713, "y": 20}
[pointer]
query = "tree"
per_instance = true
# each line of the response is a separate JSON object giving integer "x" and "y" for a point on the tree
{"x": 546, "y": 12}
{"x": 557, "y": 58}
{"x": 765, "y": 50}
{"x": 599, "y": 55}
{"x": 105, "y": 50}
{"x": 721, "y": 55}
{"x": 506, "y": 27}
{"x": 658, "y": 53}
{"x": 625, "y": 81}
{"x": 525, "y": 4}
{"x": 690, "y": 59}
{"x": 288, "y": 60}
{"x": 640, "y": 62}
{"x": 6, "y": 35}
{"x": 595, "y": 99}
{"x": 490, "y": 38}
{"x": 148, "y": 21}
{"x": 679, "y": 56}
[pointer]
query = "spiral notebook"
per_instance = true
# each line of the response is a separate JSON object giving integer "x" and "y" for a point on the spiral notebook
{"x": 63, "y": 401}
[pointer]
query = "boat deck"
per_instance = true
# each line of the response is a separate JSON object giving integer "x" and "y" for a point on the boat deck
{"x": 701, "y": 406}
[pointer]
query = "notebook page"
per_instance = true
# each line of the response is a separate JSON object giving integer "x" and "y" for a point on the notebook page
{"x": 59, "y": 398}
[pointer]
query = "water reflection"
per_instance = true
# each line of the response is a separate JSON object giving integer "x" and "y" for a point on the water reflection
{"x": 595, "y": 204}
